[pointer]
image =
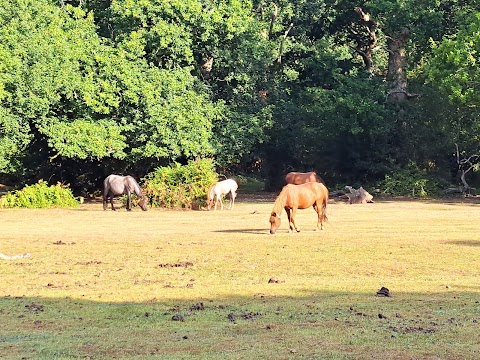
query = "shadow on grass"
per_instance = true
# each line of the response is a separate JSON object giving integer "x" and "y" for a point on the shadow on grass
{"x": 263, "y": 231}
{"x": 473, "y": 243}
{"x": 460, "y": 200}
{"x": 326, "y": 325}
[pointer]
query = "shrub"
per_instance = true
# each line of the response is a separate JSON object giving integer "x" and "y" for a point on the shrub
{"x": 178, "y": 185}
{"x": 410, "y": 181}
{"x": 39, "y": 195}
{"x": 250, "y": 183}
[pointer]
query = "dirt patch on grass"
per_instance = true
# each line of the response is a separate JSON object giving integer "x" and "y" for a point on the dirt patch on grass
{"x": 176, "y": 265}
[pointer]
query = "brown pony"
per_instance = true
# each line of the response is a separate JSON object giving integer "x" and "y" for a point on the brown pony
{"x": 293, "y": 197}
{"x": 297, "y": 178}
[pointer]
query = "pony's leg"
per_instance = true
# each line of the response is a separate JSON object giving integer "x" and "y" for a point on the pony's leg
{"x": 294, "y": 212}
{"x": 221, "y": 202}
{"x": 289, "y": 217}
{"x": 318, "y": 208}
{"x": 111, "y": 202}
{"x": 321, "y": 215}
{"x": 216, "y": 202}
{"x": 129, "y": 201}
{"x": 232, "y": 199}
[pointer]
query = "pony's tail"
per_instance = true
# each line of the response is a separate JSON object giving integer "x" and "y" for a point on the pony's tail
{"x": 319, "y": 179}
{"x": 105, "y": 189}
{"x": 324, "y": 206}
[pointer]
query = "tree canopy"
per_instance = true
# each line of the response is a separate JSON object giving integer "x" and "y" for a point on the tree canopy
{"x": 354, "y": 90}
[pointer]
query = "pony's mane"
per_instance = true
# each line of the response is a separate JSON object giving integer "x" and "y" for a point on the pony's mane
{"x": 136, "y": 188}
{"x": 210, "y": 195}
{"x": 280, "y": 201}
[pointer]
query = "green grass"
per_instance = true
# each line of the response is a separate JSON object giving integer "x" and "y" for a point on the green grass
{"x": 104, "y": 285}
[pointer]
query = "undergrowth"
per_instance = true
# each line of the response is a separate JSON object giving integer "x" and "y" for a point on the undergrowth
{"x": 180, "y": 186}
{"x": 411, "y": 181}
{"x": 39, "y": 195}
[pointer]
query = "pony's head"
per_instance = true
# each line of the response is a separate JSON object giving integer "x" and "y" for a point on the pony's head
{"x": 210, "y": 197}
{"x": 143, "y": 203}
{"x": 275, "y": 222}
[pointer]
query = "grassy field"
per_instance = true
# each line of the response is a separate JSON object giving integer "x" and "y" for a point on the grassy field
{"x": 215, "y": 285}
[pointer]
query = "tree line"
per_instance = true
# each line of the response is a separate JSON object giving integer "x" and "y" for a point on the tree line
{"x": 363, "y": 92}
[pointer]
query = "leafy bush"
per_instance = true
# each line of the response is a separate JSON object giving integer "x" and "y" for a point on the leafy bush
{"x": 250, "y": 183}
{"x": 410, "y": 181}
{"x": 178, "y": 185}
{"x": 39, "y": 195}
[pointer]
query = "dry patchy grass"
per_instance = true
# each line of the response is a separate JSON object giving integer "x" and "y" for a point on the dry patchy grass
{"x": 103, "y": 284}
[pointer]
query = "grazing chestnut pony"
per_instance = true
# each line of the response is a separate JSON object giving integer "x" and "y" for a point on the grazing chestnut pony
{"x": 297, "y": 178}
{"x": 122, "y": 185}
{"x": 293, "y": 197}
{"x": 216, "y": 192}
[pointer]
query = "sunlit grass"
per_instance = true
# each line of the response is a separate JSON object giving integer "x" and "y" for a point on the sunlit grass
{"x": 110, "y": 282}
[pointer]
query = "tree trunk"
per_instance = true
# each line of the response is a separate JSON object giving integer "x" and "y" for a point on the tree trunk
{"x": 396, "y": 67}
{"x": 206, "y": 68}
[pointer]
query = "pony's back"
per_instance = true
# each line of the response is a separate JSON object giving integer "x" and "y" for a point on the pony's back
{"x": 231, "y": 184}
{"x": 298, "y": 178}
{"x": 318, "y": 187}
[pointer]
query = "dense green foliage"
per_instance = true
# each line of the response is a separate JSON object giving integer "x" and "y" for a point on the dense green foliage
{"x": 40, "y": 195}
{"x": 355, "y": 91}
{"x": 180, "y": 186}
{"x": 459, "y": 52}
{"x": 411, "y": 181}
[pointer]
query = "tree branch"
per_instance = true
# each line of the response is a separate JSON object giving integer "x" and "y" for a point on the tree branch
{"x": 365, "y": 47}
{"x": 272, "y": 21}
{"x": 280, "y": 51}
{"x": 466, "y": 165}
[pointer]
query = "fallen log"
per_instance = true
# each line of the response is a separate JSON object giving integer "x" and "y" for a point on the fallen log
{"x": 14, "y": 257}
{"x": 358, "y": 196}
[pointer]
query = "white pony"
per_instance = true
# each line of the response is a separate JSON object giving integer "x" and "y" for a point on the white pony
{"x": 216, "y": 192}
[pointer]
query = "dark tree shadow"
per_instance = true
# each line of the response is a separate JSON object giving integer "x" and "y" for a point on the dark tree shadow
{"x": 472, "y": 243}
{"x": 170, "y": 328}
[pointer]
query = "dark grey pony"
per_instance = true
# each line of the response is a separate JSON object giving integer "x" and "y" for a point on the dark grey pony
{"x": 122, "y": 185}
